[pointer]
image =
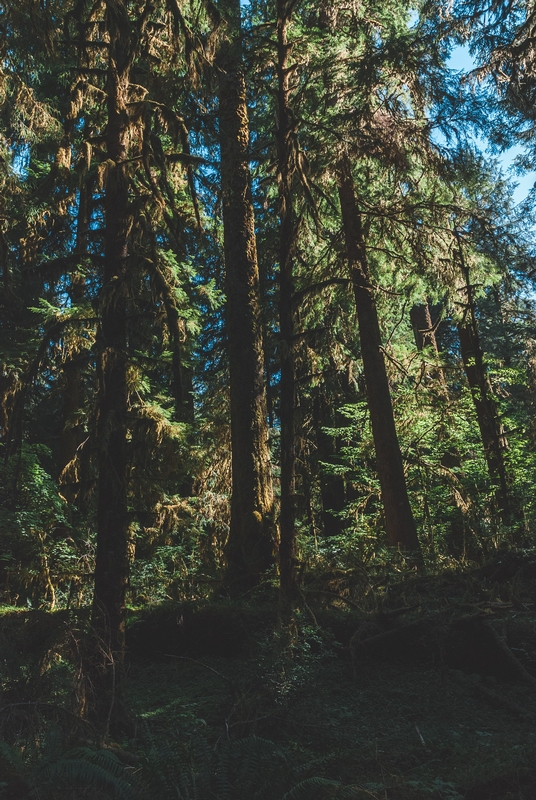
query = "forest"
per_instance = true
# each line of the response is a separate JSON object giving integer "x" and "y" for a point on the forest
{"x": 267, "y": 400}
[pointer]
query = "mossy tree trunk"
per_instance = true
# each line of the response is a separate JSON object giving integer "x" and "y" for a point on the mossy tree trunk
{"x": 72, "y": 434}
{"x": 112, "y": 561}
{"x": 399, "y": 522}
{"x": 284, "y": 133}
{"x": 250, "y": 548}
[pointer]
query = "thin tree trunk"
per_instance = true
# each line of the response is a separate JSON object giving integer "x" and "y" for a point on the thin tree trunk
{"x": 331, "y": 486}
{"x": 423, "y": 329}
{"x": 182, "y": 386}
{"x": 424, "y": 333}
{"x": 72, "y": 434}
{"x": 287, "y": 545}
{"x": 112, "y": 562}
{"x": 251, "y": 539}
{"x": 399, "y": 522}
{"x": 491, "y": 428}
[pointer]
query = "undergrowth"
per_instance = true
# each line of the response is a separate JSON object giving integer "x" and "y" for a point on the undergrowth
{"x": 224, "y": 711}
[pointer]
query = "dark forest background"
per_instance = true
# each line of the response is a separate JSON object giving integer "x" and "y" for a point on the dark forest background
{"x": 268, "y": 374}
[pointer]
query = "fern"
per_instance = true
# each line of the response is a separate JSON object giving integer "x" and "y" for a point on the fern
{"x": 99, "y": 770}
{"x": 10, "y": 757}
{"x": 252, "y": 768}
{"x": 323, "y": 788}
{"x": 179, "y": 769}
{"x": 80, "y": 767}
{"x": 220, "y": 772}
{"x": 256, "y": 757}
{"x": 350, "y": 792}
{"x": 192, "y": 770}
{"x": 312, "y": 764}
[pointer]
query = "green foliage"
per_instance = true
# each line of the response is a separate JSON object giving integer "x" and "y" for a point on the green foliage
{"x": 83, "y": 766}
{"x": 322, "y": 788}
{"x": 441, "y": 789}
{"x": 252, "y": 768}
{"x": 56, "y": 769}
{"x": 34, "y": 549}
{"x": 188, "y": 768}
{"x": 287, "y": 660}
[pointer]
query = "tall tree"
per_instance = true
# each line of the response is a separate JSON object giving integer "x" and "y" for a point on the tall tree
{"x": 285, "y": 135}
{"x": 251, "y": 541}
{"x": 491, "y": 428}
{"x": 112, "y": 563}
{"x": 399, "y": 522}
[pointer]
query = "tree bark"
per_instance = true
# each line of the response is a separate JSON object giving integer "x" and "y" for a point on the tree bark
{"x": 423, "y": 329}
{"x": 332, "y": 489}
{"x": 489, "y": 422}
{"x": 287, "y": 522}
{"x": 491, "y": 428}
{"x": 250, "y": 548}
{"x": 424, "y": 333}
{"x": 112, "y": 562}
{"x": 72, "y": 434}
{"x": 399, "y": 522}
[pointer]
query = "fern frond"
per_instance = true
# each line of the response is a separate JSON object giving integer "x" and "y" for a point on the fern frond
{"x": 313, "y": 787}
{"x": 11, "y": 757}
{"x": 313, "y": 764}
{"x": 222, "y": 771}
{"x": 93, "y": 769}
{"x": 203, "y": 755}
{"x": 52, "y": 745}
{"x": 105, "y": 759}
{"x": 350, "y": 793}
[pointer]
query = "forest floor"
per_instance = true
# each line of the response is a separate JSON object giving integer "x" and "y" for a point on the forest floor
{"x": 425, "y": 691}
{"x": 438, "y": 701}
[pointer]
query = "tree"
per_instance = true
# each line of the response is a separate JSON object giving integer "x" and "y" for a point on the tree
{"x": 399, "y": 522}
{"x": 250, "y": 546}
{"x": 112, "y": 558}
{"x": 491, "y": 428}
{"x": 286, "y": 147}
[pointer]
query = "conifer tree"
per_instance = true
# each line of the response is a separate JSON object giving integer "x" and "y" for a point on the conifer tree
{"x": 286, "y": 149}
{"x": 251, "y": 536}
{"x": 399, "y": 521}
{"x": 491, "y": 428}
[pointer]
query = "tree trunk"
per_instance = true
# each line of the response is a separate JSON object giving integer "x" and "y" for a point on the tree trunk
{"x": 250, "y": 546}
{"x": 112, "y": 562}
{"x": 424, "y": 333}
{"x": 491, "y": 428}
{"x": 287, "y": 545}
{"x": 332, "y": 489}
{"x": 72, "y": 434}
{"x": 399, "y": 522}
{"x": 423, "y": 329}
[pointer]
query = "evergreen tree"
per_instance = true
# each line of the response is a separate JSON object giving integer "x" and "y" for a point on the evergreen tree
{"x": 251, "y": 536}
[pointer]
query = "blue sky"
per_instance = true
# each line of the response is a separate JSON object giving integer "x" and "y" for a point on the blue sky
{"x": 461, "y": 60}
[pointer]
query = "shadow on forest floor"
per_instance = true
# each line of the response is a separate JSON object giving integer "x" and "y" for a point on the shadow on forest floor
{"x": 426, "y": 691}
